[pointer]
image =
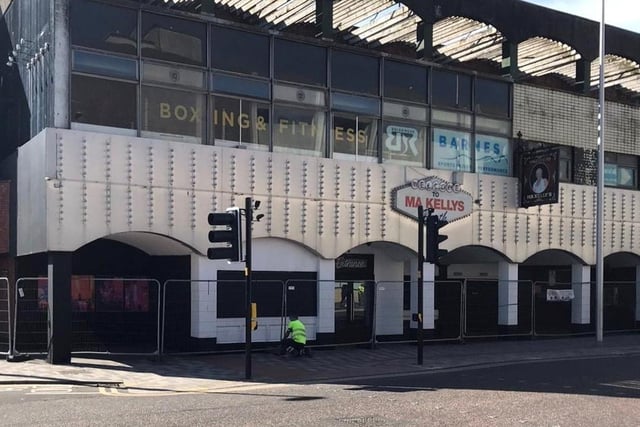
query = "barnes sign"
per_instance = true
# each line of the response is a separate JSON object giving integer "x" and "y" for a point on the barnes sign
{"x": 448, "y": 200}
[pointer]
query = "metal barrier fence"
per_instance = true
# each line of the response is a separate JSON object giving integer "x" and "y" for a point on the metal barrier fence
{"x": 553, "y": 316}
{"x": 109, "y": 316}
{"x": 5, "y": 317}
{"x": 619, "y": 306}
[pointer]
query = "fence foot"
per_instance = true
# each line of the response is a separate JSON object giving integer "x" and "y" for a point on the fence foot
{"x": 17, "y": 357}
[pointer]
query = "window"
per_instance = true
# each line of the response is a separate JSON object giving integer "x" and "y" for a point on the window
{"x": 492, "y": 98}
{"x": 300, "y": 63}
{"x": 106, "y": 65}
{"x": 451, "y": 150}
{"x": 172, "y": 112}
{"x": 404, "y": 143}
{"x": 240, "y": 121}
{"x": 173, "y": 39}
{"x": 449, "y": 89}
{"x": 240, "y": 86}
{"x": 620, "y": 170}
{"x": 354, "y": 137}
{"x": 355, "y": 73}
{"x": 493, "y": 155}
{"x": 240, "y": 51}
{"x": 299, "y": 131}
{"x": 405, "y": 81}
{"x": 104, "y": 27}
{"x": 103, "y": 102}
{"x": 566, "y": 160}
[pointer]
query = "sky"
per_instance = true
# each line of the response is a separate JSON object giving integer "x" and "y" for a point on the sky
{"x": 620, "y": 13}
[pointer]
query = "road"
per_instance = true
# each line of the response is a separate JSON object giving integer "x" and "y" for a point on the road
{"x": 586, "y": 392}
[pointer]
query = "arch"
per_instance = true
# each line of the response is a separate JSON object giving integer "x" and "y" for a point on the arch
{"x": 621, "y": 260}
{"x": 617, "y": 71}
{"x": 553, "y": 257}
{"x": 393, "y": 250}
{"x": 539, "y": 55}
{"x": 150, "y": 243}
{"x": 462, "y": 39}
{"x": 475, "y": 254}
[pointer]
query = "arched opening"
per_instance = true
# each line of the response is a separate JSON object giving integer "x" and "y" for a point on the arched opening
{"x": 618, "y": 71}
{"x": 539, "y": 56}
{"x": 460, "y": 39}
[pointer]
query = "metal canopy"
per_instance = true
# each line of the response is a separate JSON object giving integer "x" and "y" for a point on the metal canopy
{"x": 456, "y": 39}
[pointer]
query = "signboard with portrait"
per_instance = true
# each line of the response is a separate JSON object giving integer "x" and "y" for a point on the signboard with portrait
{"x": 539, "y": 177}
{"x": 448, "y": 200}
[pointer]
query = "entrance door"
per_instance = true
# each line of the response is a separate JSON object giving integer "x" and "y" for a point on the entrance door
{"x": 354, "y": 298}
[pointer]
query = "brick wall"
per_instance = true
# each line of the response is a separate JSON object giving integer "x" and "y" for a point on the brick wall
{"x": 4, "y": 216}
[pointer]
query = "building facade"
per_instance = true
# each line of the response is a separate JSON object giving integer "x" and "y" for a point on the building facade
{"x": 134, "y": 121}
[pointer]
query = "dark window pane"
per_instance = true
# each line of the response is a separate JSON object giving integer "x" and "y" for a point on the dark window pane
{"x": 240, "y": 120}
{"x": 355, "y": 136}
{"x": 299, "y": 131}
{"x": 444, "y": 88}
{"x": 357, "y": 73}
{"x": 105, "y": 65}
{"x": 105, "y": 27}
{"x": 404, "y": 143}
{"x": 240, "y": 86}
{"x": 103, "y": 102}
{"x": 405, "y": 81}
{"x": 464, "y": 92}
{"x": 356, "y": 104}
{"x": 301, "y": 63}
{"x": 172, "y": 111}
{"x": 173, "y": 39}
{"x": 239, "y": 51}
{"x": 492, "y": 98}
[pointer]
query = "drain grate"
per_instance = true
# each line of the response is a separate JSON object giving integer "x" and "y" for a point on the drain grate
{"x": 364, "y": 421}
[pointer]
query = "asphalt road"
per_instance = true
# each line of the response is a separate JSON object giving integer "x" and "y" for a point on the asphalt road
{"x": 588, "y": 392}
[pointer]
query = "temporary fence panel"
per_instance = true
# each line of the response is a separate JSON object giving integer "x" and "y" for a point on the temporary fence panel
{"x": 31, "y": 315}
{"x": 353, "y": 310}
{"x": 553, "y": 306}
{"x": 448, "y": 310}
{"x": 486, "y": 316}
{"x": 619, "y": 306}
{"x": 5, "y": 316}
{"x": 114, "y": 316}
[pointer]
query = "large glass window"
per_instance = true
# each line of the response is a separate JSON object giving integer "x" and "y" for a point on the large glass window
{"x": 451, "y": 150}
{"x": 172, "y": 112}
{"x": 405, "y": 81}
{"x": 300, "y": 63}
{"x": 173, "y": 39}
{"x": 106, "y": 65}
{"x": 404, "y": 143}
{"x": 355, "y": 73}
{"x": 493, "y": 155}
{"x": 620, "y": 170}
{"x": 492, "y": 97}
{"x": 449, "y": 89}
{"x": 240, "y": 51}
{"x": 104, "y": 27}
{"x": 240, "y": 121}
{"x": 355, "y": 137}
{"x": 299, "y": 131}
{"x": 103, "y": 102}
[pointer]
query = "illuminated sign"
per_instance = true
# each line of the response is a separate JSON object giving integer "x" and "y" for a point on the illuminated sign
{"x": 448, "y": 200}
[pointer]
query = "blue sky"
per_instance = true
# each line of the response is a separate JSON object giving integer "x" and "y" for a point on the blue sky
{"x": 620, "y": 13}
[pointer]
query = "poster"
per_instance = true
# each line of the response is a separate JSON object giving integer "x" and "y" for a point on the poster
{"x": 82, "y": 293}
{"x": 43, "y": 294}
{"x": 539, "y": 177}
{"x": 136, "y": 296}
{"x": 109, "y": 295}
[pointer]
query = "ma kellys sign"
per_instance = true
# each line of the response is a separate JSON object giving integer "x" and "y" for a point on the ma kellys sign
{"x": 447, "y": 200}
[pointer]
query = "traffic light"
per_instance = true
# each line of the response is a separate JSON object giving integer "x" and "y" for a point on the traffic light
{"x": 231, "y": 234}
{"x": 434, "y": 238}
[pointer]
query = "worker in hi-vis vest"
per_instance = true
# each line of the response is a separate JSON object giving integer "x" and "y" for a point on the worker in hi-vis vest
{"x": 298, "y": 338}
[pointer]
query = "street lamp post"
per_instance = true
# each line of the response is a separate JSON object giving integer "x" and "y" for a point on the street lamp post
{"x": 600, "y": 190}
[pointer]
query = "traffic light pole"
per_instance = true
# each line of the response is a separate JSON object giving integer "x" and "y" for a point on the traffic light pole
{"x": 420, "y": 332}
{"x": 248, "y": 211}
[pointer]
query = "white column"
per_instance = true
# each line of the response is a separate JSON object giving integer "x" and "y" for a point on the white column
{"x": 581, "y": 304}
{"x": 638, "y": 293}
{"x": 326, "y": 296}
{"x": 204, "y": 297}
{"x": 507, "y": 293}
{"x": 428, "y": 287}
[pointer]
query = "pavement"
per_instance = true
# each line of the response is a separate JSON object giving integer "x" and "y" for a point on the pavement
{"x": 208, "y": 373}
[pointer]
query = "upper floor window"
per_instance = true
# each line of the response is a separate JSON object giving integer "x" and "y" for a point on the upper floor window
{"x": 620, "y": 170}
{"x": 300, "y": 63}
{"x": 450, "y": 89}
{"x": 355, "y": 73}
{"x": 492, "y": 97}
{"x": 405, "y": 81}
{"x": 103, "y": 102}
{"x": 174, "y": 39}
{"x": 104, "y": 27}
{"x": 240, "y": 51}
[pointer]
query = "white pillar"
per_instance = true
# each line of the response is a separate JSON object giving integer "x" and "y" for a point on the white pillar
{"x": 326, "y": 296}
{"x": 507, "y": 293}
{"x": 638, "y": 293}
{"x": 428, "y": 287}
{"x": 581, "y": 285}
{"x": 204, "y": 300}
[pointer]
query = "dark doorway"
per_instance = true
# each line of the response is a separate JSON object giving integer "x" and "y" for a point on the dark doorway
{"x": 354, "y": 300}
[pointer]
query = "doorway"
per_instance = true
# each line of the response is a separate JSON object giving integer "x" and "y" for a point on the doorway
{"x": 354, "y": 298}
